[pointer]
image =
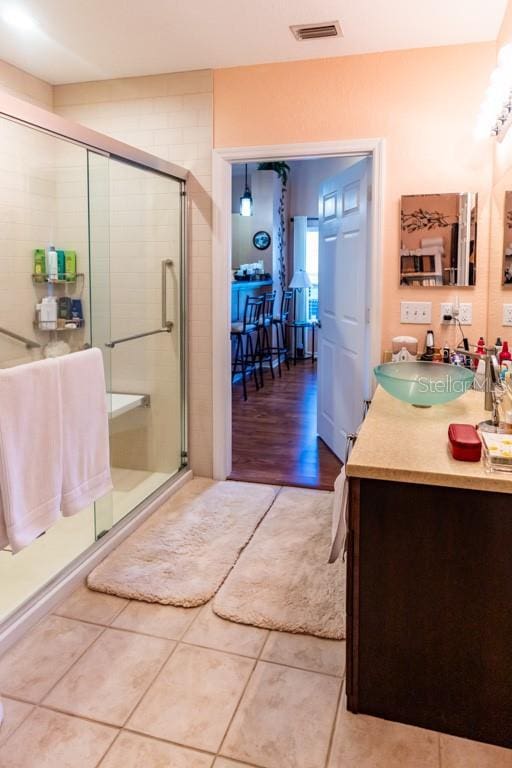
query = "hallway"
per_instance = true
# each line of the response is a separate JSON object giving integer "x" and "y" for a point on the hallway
{"x": 274, "y": 433}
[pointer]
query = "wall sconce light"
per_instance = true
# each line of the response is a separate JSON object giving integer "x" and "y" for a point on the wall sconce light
{"x": 246, "y": 199}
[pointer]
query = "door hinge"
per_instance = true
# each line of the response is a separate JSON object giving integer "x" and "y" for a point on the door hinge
{"x": 368, "y": 315}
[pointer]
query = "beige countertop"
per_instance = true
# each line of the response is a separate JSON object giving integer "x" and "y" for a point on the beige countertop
{"x": 400, "y": 442}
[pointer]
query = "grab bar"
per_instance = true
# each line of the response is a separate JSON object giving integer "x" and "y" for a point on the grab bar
{"x": 165, "y": 322}
{"x": 29, "y": 343}
{"x": 113, "y": 343}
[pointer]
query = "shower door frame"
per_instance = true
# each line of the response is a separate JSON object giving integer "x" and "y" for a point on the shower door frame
{"x": 39, "y": 119}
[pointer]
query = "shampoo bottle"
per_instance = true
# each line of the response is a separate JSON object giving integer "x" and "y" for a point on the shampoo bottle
{"x": 70, "y": 265}
{"x": 39, "y": 265}
{"x": 61, "y": 265}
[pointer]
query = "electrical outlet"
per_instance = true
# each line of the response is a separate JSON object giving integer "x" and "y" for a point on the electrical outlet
{"x": 446, "y": 309}
{"x": 416, "y": 312}
{"x": 507, "y": 314}
{"x": 465, "y": 313}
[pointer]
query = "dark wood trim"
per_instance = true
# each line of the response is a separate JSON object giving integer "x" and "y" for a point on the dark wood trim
{"x": 353, "y": 594}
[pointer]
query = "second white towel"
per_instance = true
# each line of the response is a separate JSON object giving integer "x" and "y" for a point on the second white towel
{"x": 85, "y": 441}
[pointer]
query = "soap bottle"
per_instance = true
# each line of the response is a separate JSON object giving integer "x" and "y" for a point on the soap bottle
{"x": 52, "y": 264}
{"x": 499, "y": 347}
{"x": 504, "y": 354}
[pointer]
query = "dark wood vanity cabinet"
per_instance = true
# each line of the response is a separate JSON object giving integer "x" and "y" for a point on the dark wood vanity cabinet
{"x": 429, "y": 626}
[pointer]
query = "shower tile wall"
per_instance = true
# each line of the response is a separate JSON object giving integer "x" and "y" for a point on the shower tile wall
{"x": 169, "y": 116}
{"x": 43, "y": 188}
{"x": 27, "y": 221}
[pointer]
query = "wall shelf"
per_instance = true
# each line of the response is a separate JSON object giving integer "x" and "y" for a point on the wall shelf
{"x": 57, "y": 330}
{"x": 70, "y": 279}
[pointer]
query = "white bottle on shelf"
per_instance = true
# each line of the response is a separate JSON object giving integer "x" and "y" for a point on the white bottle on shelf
{"x": 52, "y": 264}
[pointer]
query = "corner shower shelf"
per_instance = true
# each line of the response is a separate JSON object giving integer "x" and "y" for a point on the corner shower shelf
{"x": 69, "y": 279}
{"x": 119, "y": 403}
{"x": 57, "y": 330}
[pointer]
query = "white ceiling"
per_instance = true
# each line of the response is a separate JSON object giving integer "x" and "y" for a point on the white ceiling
{"x": 80, "y": 40}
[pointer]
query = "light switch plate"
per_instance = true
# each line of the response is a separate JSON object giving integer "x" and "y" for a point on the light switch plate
{"x": 507, "y": 314}
{"x": 416, "y": 312}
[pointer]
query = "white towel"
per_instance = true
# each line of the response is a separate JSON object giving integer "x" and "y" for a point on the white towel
{"x": 85, "y": 441}
{"x": 339, "y": 516}
{"x": 30, "y": 451}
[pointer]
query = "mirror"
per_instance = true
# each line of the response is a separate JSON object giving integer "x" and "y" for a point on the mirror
{"x": 438, "y": 239}
{"x": 507, "y": 240}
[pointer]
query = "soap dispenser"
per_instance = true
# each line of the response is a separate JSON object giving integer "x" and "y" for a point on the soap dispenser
{"x": 429, "y": 347}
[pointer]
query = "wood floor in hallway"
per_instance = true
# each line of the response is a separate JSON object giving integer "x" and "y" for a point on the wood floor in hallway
{"x": 274, "y": 432}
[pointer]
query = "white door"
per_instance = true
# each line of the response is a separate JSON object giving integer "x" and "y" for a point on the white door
{"x": 343, "y": 305}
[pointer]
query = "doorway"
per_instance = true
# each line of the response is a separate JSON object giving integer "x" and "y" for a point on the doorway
{"x": 274, "y": 435}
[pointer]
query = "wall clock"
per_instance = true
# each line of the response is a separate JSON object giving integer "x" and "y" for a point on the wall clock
{"x": 261, "y": 240}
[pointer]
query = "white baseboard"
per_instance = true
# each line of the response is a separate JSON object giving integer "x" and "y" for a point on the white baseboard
{"x": 44, "y": 602}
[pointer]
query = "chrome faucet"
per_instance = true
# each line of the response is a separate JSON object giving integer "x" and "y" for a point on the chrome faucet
{"x": 492, "y": 379}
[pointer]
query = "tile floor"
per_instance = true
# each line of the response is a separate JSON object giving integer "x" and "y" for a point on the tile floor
{"x": 119, "y": 684}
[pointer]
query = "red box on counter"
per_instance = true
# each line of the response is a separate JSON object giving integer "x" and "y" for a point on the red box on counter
{"x": 465, "y": 442}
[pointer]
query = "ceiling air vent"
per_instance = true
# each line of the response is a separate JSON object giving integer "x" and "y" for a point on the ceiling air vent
{"x": 316, "y": 31}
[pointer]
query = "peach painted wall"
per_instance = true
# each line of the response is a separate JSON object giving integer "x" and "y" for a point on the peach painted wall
{"x": 499, "y": 295}
{"x": 423, "y": 102}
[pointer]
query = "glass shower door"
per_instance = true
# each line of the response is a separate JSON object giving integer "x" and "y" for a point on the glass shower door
{"x": 136, "y": 306}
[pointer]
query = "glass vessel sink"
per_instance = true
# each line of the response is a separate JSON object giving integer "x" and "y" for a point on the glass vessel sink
{"x": 424, "y": 384}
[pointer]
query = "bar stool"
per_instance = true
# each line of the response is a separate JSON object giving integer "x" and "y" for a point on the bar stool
{"x": 264, "y": 350}
{"x": 280, "y": 325}
{"x": 245, "y": 355}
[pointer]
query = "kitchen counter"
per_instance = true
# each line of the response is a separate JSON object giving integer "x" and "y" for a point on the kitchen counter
{"x": 410, "y": 445}
{"x": 240, "y": 289}
{"x": 244, "y": 285}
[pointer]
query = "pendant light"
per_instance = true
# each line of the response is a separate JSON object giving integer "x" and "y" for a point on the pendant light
{"x": 246, "y": 199}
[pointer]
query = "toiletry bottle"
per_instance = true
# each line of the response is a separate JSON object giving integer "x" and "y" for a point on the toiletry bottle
{"x": 39, "y": 265}
{"x": 61, "y": 265}
{"x": 446, "y": 353}
{"x": 499, "y": 347}
{"x": 480, "y": 350}
{"x": 504, "y": 354}
{"x": 52, "y": 264}
{"x": 70, "y": 265}
{"x": 76, "y": 311}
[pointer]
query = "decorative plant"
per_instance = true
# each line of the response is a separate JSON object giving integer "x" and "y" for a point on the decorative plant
{"x": 422, "y": 219}
{"x": 282, "y": 169}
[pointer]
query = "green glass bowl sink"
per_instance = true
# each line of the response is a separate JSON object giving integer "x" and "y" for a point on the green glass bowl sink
{"x": 424, "y": 384}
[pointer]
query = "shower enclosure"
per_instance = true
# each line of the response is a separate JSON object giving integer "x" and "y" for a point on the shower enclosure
{"x": 116, "y": 217}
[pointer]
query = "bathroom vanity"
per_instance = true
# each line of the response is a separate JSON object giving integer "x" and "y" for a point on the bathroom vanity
{"x": 429, "y": 603}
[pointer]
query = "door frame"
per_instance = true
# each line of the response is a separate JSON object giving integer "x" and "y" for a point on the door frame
{"x": 222, "y": 160}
